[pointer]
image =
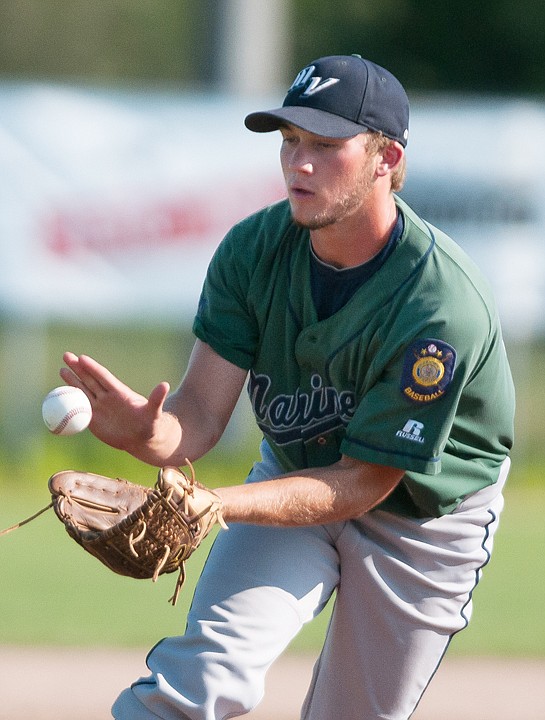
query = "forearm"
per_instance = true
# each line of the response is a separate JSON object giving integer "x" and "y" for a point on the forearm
{"x": 316, "y": 496}
{"x": 179, "y": 434}
{"x": 191, "y": 432}
{"x": 200, "y": 408}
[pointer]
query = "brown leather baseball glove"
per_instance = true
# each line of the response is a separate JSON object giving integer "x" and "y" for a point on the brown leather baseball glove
{"x": 134, "y": 530}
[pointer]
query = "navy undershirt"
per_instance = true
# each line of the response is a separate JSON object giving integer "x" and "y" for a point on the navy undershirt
{"x": 333, "y": 287}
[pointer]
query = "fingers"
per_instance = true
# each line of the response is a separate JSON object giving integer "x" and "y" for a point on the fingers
{"x": 73, "y": 376}
{"x": 99, "y": 383}
{"x": 90, "y": 376}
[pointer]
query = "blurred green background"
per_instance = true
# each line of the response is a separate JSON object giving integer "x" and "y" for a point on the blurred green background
{"x": 492, "y": 46}
{"x": 52, "y": 592}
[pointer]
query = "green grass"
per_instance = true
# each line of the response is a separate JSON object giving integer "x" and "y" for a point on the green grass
{"x": 55, "y": 593}
{"x": 508, "y": 614}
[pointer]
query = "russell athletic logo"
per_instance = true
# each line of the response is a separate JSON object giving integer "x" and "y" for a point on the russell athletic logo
{"x": 412, "y": 430}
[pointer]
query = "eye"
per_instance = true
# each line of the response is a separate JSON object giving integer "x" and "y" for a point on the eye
{"x": 288, "y": 139}
{"x": 329, "y": 143}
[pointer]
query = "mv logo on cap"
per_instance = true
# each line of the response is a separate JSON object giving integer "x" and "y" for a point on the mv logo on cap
{"x": 315, "y": 84}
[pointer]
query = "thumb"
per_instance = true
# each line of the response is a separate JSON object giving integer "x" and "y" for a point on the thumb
{"x": 158, "y": 396}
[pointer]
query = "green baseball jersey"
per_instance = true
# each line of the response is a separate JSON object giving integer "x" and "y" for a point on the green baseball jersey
{"x": 411, "y": 372}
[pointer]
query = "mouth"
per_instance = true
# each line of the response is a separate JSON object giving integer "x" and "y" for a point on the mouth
{"x": 300, "y": 193}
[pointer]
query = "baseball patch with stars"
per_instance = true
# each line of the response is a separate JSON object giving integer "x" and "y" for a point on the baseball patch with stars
{"x": 427, "y": 370}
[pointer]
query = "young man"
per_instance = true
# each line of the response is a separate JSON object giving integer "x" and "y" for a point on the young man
{"x": 377, "y": 373}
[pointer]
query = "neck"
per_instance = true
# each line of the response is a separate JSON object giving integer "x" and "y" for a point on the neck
{"x": 356, "y": 239}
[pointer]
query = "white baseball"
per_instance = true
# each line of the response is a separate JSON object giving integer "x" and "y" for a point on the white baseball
{"x": 66, "y": 410}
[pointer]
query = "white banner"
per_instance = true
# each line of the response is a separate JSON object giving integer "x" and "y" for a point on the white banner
{"x": 475, "y": 171}
{"x": 112, "y": 202}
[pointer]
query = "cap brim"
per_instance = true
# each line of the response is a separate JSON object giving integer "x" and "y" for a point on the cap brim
{"x": 309, "y": 119}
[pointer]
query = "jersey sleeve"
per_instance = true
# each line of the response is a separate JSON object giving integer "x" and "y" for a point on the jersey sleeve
{"x": 240, "y": 282}
{"x": 401, "y": 423}
{"x": 441, "y": 408}
{"x": 224, "y": 319}
{"x": 422, "y": 388}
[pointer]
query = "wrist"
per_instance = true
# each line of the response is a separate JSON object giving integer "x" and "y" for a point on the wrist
{"x": 159, "y": 445}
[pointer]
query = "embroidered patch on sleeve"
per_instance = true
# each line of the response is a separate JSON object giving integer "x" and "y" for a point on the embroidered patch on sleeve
{"x": 427, "y": 370}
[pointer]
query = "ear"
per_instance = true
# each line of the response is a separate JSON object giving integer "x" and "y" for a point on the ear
{"x": 389, "y": 158}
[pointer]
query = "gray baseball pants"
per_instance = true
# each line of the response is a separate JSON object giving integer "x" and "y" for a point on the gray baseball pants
{"x": 403, "y": 588}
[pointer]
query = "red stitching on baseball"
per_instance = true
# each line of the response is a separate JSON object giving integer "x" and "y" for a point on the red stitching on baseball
{"x": 66, "y": 419}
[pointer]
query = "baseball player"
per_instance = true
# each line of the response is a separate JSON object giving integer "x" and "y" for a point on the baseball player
{"x": 376, "y": 370}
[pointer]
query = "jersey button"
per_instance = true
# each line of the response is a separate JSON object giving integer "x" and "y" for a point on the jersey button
{"x": 322, "y": 440}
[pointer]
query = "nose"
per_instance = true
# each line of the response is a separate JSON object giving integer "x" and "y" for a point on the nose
{"x": 307, "y": 168}
{"x": 300, "y": 161}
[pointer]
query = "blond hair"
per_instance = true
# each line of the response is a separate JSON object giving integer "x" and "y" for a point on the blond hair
{"x": 376, "y": 142}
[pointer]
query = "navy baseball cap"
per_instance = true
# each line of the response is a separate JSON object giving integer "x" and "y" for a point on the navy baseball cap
{"x": 341, "y": 96}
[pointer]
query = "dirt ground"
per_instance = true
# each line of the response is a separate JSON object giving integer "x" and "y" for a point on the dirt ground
{"x": 69, "y": 684}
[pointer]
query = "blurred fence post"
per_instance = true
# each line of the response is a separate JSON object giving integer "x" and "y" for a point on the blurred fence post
{"x": 247, "y": 45}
